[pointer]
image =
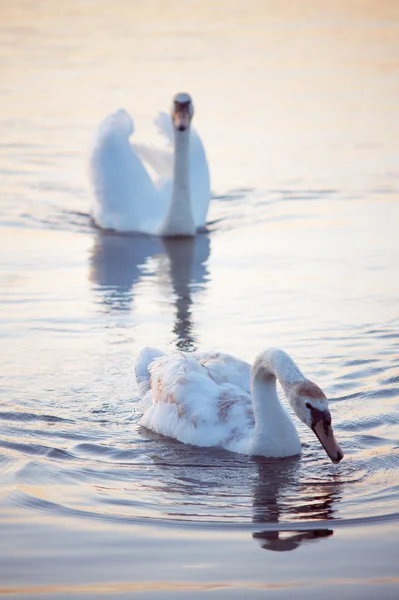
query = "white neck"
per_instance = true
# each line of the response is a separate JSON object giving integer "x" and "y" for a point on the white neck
{"x": 179, "y": 219}
{"x": 275, "y": 433}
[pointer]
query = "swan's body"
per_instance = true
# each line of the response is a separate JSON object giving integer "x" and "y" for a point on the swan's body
{"x": 125, "y": 198}
{"x": 214, "y": 399}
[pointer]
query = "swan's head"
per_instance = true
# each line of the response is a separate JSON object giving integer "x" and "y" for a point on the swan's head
{"x": 182, "y": 111}
{"x": 311, "y": 406}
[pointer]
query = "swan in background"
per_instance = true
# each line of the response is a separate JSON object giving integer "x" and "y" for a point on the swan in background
{"x": 125, "y": 198}
{"x": 214, "y": 399}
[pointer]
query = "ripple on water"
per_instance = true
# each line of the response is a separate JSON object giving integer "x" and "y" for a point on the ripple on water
{"x": 36, "y": 449}
{"x": 28, "y": 416}
{"x": 163, "y": 482}
{"x": 101, "y": 465}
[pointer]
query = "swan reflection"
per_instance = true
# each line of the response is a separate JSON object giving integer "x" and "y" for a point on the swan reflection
{"x": 188, "y": 273}
{"x": 212, "y": 485}
{"x": 119, "y": 262}
{"x": 280, "y": 497}
{"x": 284, "y": 541}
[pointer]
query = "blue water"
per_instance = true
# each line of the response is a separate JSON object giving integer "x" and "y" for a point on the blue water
{"x": 297, "y": 108}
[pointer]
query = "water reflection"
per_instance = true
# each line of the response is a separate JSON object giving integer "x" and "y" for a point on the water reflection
{"x": 118, "y": 263}
{"x": 188, "y": 272}
{"x": 217, "y": 486}
{"x": 285, "y": 541}
{"x": 279, "y": 496}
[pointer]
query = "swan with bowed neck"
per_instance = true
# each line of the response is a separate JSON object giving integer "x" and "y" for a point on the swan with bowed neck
{"x": 214, "y": 399}
{"x": 125, "y": 198}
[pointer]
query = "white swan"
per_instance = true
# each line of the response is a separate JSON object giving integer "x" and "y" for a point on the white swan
{"x": 214, "y": 399}
{"x": 124, "y": 195}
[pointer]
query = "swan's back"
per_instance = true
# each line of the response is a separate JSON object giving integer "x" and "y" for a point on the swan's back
{"x": 226, "y": 368}
{"x": 185, "y": 402}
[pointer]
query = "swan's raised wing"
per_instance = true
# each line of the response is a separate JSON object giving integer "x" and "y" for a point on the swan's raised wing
{"x": 225, "y": 368}
{"x": 158, "y": 159}
{"x": 163, "y": 123}
{"x": 124, "y": 196}
{"x": 200, "y": 185}
{"x": 141, "y": 368}
{"x": 189, "y": 405}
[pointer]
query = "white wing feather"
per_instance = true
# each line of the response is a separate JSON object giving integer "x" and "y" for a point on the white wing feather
{"x": 225, "y": 368}
{"x": 124, "y": 197}
{"x": 188, "y": 404}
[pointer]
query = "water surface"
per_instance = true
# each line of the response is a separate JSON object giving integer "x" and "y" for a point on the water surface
{"x": 297, "y": 108}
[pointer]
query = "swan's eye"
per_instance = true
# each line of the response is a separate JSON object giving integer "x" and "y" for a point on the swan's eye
{"x": 308, "y": 405}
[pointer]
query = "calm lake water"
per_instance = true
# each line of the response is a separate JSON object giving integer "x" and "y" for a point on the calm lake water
{"x": 297, "y": 106}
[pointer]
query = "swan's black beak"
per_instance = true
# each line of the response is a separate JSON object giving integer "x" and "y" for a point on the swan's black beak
{"x": 321, "y": 426}
{"x": 181, "y": 116}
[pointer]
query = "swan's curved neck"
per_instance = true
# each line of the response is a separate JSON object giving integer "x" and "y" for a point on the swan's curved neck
{"x": 179, "y": 220}
{"x": 275, "y": 433}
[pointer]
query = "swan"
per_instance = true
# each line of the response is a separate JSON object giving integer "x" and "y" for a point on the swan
{"x": 215, "y": 399}
{"x": 124, "y": 197}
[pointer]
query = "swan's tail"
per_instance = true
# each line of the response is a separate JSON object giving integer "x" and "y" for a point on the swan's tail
{"x": 143, "y": 376}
